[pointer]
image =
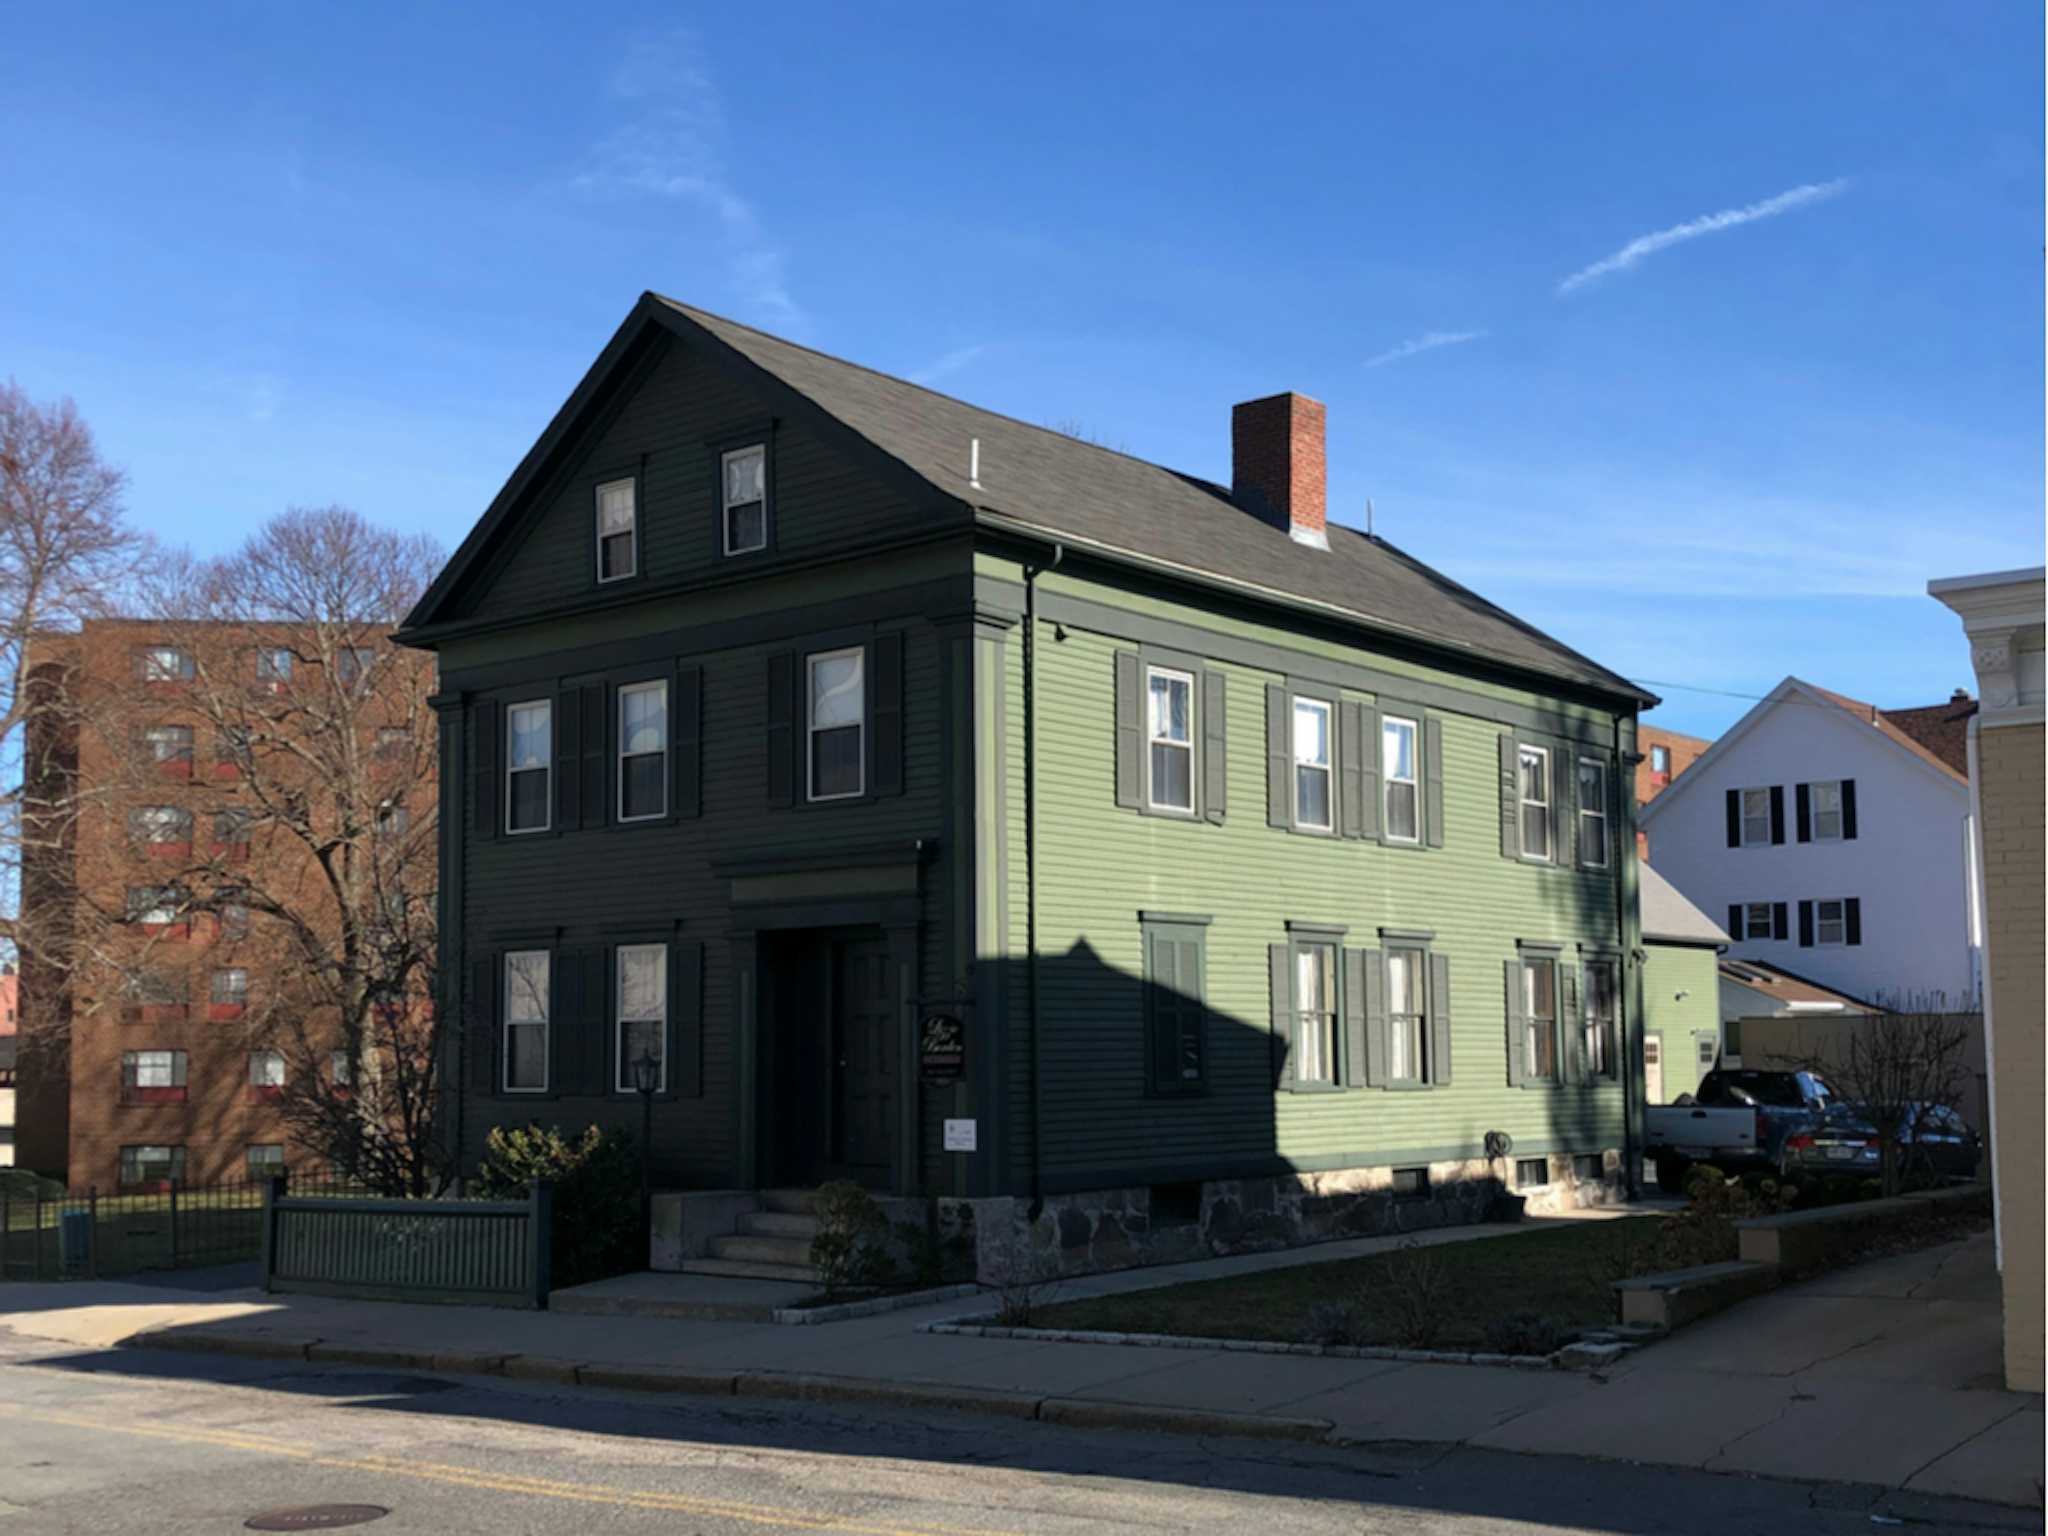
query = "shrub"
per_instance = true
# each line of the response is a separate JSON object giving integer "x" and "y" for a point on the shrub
{"x": 1335, "y": 1322}
{"x": 1416, "y": 1292}
{"x": 1704, "y": 1232}
{"x": 596, "y": 1175}
{"x": 1527, "y": 1333}
{"x": 850, "y": 1251}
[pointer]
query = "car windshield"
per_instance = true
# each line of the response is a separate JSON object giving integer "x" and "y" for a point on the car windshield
{"x": 1770, "y": 1090}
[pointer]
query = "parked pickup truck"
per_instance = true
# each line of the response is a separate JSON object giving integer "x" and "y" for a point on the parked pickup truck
{"x": 1738, "y": 1121}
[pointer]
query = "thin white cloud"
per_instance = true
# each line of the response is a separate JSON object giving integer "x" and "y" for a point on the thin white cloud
{"x": 1428, "y": 341}
{"x": 672, "y": 146}
{"x": 951, "y": 363}
{"x": 1643, "y": 246}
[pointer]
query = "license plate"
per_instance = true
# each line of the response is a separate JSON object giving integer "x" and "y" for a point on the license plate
{"x": 1841, "y": 1154}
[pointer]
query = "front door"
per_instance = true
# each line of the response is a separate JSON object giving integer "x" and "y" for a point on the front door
{"x": 864, "y": 1047}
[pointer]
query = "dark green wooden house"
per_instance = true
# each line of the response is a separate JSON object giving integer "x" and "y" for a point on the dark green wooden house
{"x": 1137, "y": 865}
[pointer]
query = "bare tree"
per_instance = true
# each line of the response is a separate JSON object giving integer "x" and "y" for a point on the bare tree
{"x": 1895, "y": 1068}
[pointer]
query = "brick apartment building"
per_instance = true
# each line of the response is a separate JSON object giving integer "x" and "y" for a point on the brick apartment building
{"x": 161, "y": 884}
{"x": 1664, "y": 756}
{"x": 10, "y": 1004}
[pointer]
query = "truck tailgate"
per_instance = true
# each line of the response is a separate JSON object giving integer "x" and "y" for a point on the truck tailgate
{"x": 1697, "y": 1132}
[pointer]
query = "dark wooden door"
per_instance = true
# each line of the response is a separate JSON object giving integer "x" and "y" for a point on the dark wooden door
{"x": 864, "y": 1061}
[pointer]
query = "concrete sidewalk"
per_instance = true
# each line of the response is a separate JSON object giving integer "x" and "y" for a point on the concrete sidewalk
{"x": 1881, "y": 1375}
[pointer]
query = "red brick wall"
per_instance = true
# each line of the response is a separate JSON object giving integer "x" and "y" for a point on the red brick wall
{"x": 1277, "y": 459}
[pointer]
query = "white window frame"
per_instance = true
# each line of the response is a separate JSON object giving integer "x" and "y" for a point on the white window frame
{"x": 1389, "y": 725}
{"x": 1400, "y": 1037}
{"x": 1533, "y": 1027}
{"x": 1327, "y": 767}
{"x": 171, "y": 1063}
{"x": 545, "y": 1022}
{"x": 1186, "y": 680}
{"x": 1328, "y": 1021}
{"x": 1814, "y": 812}
{"x": 172, "y": 1161}
{"x": 546, "y": 768}
{"x": 1597, "y": 1038}
{"x": 1763, "y": 839}
{"x": 725, "y": 507}
{"x": 658, "y": 687}
{"x": 811, "y": 726}
{"x": 623, "y": 1069}
{"x": 1821, "y": 921}
{"x": 1524, "y": 751}
{"x": 1594, "y": 813}
{"x": 1660, "y": 759}
{"x": 632, "y": 530}
{"x": 1750, "y": 909}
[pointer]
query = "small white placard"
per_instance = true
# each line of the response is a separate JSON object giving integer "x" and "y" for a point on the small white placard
{"x": 960, "y": 1135}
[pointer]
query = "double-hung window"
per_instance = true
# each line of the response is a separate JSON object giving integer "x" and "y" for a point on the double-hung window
{"x": 1312, "y": 798}
{"x": 1826, "y": 800}
{"x": 1660, "y": 760}
{"x": 157, "y": 905}
{"x": 526, "y": 1020}
{"x": 266, "y": 1073}
{"x": 1831, "y": 924}
{"x": 1402, "y": 808}
{"x": 151, "y": 1165}
{"x": 265, "y": 1160}
{"x": 1407, "y": 1015}
{"x": 229, "y": 988}
{"x": 643, "y": 751}
{"x": 743, "y": 495}
{"x": 1533, "y": 791}
{"x": 1603, "y": 1014}
{"x": 618, "y": 553}
{"x": 642, "y": 1008}
{"x": 1539, "y": 1019}
{"x": 153, "y": 1077}
{"x": 1756, "y": 920}
{"x": 1756, "y": 817}
{"x": 1592, "y": 813}
{"x": 273, "y": 664}
{"x": 352, "y": 664}
{"x": 159, "y": 826}
{"x": 1315, "y": 1012}
{"x": 1170, "y": 740}
{"x": 835, "y": 724}
{"x": 164, "y": 664}
{"x": 529, "y": 766}
{"x": 168, "y": 743}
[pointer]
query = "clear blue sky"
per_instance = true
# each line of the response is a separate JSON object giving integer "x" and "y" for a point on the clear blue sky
{"x": 296, "y": 254}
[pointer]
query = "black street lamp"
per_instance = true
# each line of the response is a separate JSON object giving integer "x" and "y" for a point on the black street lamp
{"x": 646, "y": 1078}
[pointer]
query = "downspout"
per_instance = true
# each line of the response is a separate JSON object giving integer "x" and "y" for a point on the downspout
{"x": 1031, "y": 575}
{"x": 1631, "y": 1163}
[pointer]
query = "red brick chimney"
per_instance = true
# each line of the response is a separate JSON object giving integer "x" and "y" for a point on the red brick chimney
{"x": 1276, "y": 464}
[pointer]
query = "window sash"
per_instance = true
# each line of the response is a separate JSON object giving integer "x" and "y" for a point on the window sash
{"x": 160, "y": 824}
{"x": 1660, "y": 759}
{"x": 164, "y": 664}
{"x": 151, "y": 1164}
{"x": 229, "y": 986}
{"x": 273, "y": 664}
{"x": 1757, "y": 921}
{"x": 533, "y": 720}
{"x": 640, "y": 1006}
{"x": 1169, "y": 740}
{"x": 1830, "y": 930}
{"x": 1826, "y": 805}
{"x": 1756, "y": 817}
{"x": 528, "y": 975}
{"x": 845, "y": 738}
{"x": 1315, "y": 1014}
{"x": 266, "y": 1069}
{"x": 618, "y": 530}
{"x": 1592, "y": 813}
{"x": 639, "y": 742}
{"x": 1539, "y": 1020}
{"x": 1399, "y": 790}
{"x": 168, "y": 743}
{"x": 1312, "y": 776}
{"x": 153, "y": 1069}
{"x": 743, "y": 499}
{"x": 1407, "y": 1016}
{"x": 1533, "y": 791}
{"x": 153, "y": 904}
{"x": 1602, "y": 1010}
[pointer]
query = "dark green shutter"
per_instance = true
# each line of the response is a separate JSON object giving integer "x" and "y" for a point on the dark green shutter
{"x": 1779, "y": 929}
{"x": 1433, "y": 780}
{"x": 1375, "y": 1017}
{"x": 1372, "y": 824}
{"x": 1440, "y": 1020}
{"x": 1279, "y": 759}
{"x": 567, "y": 715}
{"x": 485, "y": 733}
{"x": 1359, "y": 965}
{"x": 1510, "y": 799}
{"x": 597, "y": 774}
{"x": 1280, "y": 976}
{"x": 1777, "y": 813}
{"x": 1852, "y": 920}
{"x": 885, "y": 714}
{"x": 1351, "y": 812}
{"x": 1513, "y": 972}
{"x": 1806, "y": 925}
{"x": 1802, "y": 812}
{"x": 1848, "y": 810}
{"x": 1190, "y": 1047}
{"x": 482, "y": 1034}
{"x": 1734, "y": 818}
{"x": 1571, "y": 1053}
{"x": 1130, "y": 732}
{"x": 566, "y": 1045}
{"x": 782, "y": 728}
{"x": 686, "y": 1019}
{"x": 686, "y": 742}
{"x": 1564, "y": 805}
{"x": 1215, "y": 747}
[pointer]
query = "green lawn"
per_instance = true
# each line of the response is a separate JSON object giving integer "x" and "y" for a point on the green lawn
{"x": 1563, "y": 1274}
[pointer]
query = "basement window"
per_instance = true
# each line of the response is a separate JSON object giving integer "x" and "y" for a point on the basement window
{"x": 1589, "y": 1167}
{"x": 1177, "y": 1205}
{"x": 1531, "y": 1172}
{"x": 1411, "y": 1183}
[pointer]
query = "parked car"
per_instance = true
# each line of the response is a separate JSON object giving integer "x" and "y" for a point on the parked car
{"x": 1843, "y": 1145}
{"x": 1933, "y": 1140}
{"x": 1738, "y": 1121}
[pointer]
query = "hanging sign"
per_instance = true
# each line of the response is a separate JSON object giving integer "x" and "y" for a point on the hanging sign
{"x": 941, "y": 1048}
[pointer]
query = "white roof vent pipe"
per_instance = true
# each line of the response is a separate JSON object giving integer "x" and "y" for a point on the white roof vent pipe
{"x": 974, "y": 463}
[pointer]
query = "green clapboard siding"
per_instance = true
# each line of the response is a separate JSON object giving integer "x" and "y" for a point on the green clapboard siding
{"x": 1682, "y": 1005}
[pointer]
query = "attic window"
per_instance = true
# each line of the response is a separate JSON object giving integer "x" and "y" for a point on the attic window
{"x": 743, "y": 498}
{"x": 617, "y": 531}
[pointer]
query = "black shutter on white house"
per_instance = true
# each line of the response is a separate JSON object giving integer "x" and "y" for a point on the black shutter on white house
{"x": 1806, "y": 925}
{"x": 1802, "y": 811}
{"x": 1777, "y": 813}
{"x": 1848, "y": 810}
{"x": 1737, "y": 929}
{"x": 1852, "y": 920}
{"x": 1780, "y": 929}
{"x": 1734, "y": 818}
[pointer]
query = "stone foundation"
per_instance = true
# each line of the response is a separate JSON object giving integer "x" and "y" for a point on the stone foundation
{"x": 1109, "y": 1229}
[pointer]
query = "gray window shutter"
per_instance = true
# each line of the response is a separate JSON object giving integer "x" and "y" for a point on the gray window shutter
{"x": 588, "y": 1025}
{"x": 1806, "y": 925}
{"x": 1351, "y": 812}
{"x": 1564, "y": 804}
{"x": 566, "y": 1041}
{"x": 486, "y": 730}
{"x": 686, "y": 1019}
{"x": 568, "y": 718}
{"x": 1852, "y": 920}
{"x": 1281, "y": 972}
{"x": 782, "y": 728}
{"x": 1372, "y": 824}
{"x": 1848, "y": 810}
{"x": 1513, "y": 969}
{"x": 1510, "y": 800}
{"x": 885, "y": 713}
{"x": 1279, "y": 760}
{"x": 597, "y": 756}
{"x": 483, "y": 1028}
{"x": 1130, "y": 732}
{"x": 1802, "y": 812}
{"x": 1358, "y": 967}
{"x": 1440, "y": 1020}
{"x": 1375, "y": 1018}
{"x": 1433, "y": 780}
{"x": 1572, "y": 1066}
{"x": 1215, "y": 747}
{"x": 686, "y": 742}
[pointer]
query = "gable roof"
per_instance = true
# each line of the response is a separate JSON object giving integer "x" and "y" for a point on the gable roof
{"x": 1037, "y": 481}
{"x": 1787, "y": 988}
{"x": 1943, "y": 729}
{"x": 1669, "y": 918}
{"x": 1800, "y": 693}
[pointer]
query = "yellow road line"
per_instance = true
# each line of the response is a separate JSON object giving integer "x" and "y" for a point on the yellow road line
{"x": 466, "y": 1477}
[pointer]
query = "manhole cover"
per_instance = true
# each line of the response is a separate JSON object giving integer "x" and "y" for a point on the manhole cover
{"x": 316, "y": 1517}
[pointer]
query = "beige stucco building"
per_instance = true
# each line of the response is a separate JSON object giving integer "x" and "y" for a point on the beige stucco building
{"x": 2002, "y": 615}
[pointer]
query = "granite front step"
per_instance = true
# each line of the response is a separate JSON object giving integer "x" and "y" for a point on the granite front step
{"x": 741, "y": 1269}
{"x": 778, "y": 1224}
{"x": 793, "y": 1251}
{"x": 789, "y": 1202}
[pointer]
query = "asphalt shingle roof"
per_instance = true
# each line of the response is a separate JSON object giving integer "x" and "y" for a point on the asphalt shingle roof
{"x": 1062, "y": 485}
{"x": 1667, "y": 915}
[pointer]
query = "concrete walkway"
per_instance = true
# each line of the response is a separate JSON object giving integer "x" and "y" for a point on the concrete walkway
{"x": 1881, "y": 1375}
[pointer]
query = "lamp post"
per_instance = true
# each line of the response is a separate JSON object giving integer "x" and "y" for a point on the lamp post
{"x": 646, "y": 1078}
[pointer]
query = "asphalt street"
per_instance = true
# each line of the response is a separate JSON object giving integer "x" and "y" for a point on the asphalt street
{"x": 156, "y": 1442}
